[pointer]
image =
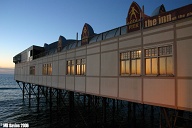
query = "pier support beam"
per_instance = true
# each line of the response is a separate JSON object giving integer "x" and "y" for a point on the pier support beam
{"x": 113, "y": 120}
{"x": 23, "y": 91}
{"x": 71, "y": 108}
{"x": 30, "y": 95}
{"x": 38, "y": 98}
{"x": 104, "y": 110}
{"x": 50, "y": 103}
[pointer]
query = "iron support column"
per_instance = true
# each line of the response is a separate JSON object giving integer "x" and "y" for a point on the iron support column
{"x": 30, "y": 95}
{"x": 71, "y": 108}
{"x": 38, "y": 97}
{"x": 23, "y": 91}
{"x": 104, "y": 110}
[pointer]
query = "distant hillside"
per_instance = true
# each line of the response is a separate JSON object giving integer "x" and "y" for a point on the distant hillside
{"x": 6, "y": 71}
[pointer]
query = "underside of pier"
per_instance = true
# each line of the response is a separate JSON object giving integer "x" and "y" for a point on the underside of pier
{"x": 73, "y": 109}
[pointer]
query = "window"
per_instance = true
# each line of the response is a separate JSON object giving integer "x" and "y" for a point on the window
{"x": 70, "y": 67}
{"x": 32, "y": 70}
{"x": 80, "y": 66}
{"x": 159, "y": 61}
{"x": 44, "y": 72}
{"x": 47, "y": 69}
{"x": 151, "y": 61}
{"x": 130, "y": 62}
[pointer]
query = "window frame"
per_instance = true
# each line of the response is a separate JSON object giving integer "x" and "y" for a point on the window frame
{"x": 47, "y": 69}
{"x": 129, "y": 57}
{"x": 163, "y": 53}
{"x": 80, "y": 66}
{"x": 70, "y": 68}
{"x": 32, "y": 70}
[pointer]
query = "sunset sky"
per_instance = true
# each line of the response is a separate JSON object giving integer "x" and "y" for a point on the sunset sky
{"x": 24, "y": 23}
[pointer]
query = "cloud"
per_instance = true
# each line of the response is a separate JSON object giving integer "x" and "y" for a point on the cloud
{"x": 6, "y": 70}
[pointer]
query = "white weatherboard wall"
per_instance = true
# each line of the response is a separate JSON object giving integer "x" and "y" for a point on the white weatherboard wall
{"x": 184, "y": 94}
{"x": 130, "y": 88}
{"x": 184, "y": 52}
{"x": 92, "y": 85}
{"x": 159, "y": 91}
{"x": 184, "y": 64}
{"x": 80, "y": 84}
{"x": 109, "y": 64}
{"x": 103, "y": 68}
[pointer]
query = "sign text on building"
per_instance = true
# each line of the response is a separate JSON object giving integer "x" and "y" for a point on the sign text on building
{"x": 168, "y": 16}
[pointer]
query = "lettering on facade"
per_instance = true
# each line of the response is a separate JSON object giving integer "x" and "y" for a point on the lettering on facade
{"x": 133, "y": 17}
{"x": 168, "y": 16}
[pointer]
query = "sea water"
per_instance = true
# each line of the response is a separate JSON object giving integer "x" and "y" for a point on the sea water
{"x": 13, "y": 111}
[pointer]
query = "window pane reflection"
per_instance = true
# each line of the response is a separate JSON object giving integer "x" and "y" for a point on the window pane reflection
{"x": 162, "y": 69}
{"x": 138, "y": 66}
{"x": 127, "y": 67}
{"x": 154, "y": 66}
{"x": 133, "y": 64}
{"x": 169, "y": 65}
{"x": 148, "y": 66}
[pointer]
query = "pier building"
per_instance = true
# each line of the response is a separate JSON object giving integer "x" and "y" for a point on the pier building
{"x": 147, "y": 61}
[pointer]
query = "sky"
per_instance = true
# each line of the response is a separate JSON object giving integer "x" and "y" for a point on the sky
{"x": 24, "y": 23}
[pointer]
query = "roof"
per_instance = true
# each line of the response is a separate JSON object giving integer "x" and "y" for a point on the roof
{"x": 159, "y": 10}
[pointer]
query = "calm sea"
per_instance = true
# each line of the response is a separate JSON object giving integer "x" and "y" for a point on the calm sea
{"x": 12, "y": 108}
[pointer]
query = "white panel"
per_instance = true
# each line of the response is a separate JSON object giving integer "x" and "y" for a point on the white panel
{"x": 40, "y": 69}
{"x": 93, "y": 65}
{"x": 80, "y": 84}
{"x": 49, "y": 59}
{"x": 159, "y": 91}
{"x": 54, "y": 81}
{"x": 40, "y": 80}
{"x": 27, "y": 69}
{"x": 109, "y": 87}
{"x": 27, "y": 78}
{"x": 70, "y": 55}
{"x": 184, "y": 32}
{"x": 130, "y": 88}
{"x": 130, "y": 43}
{"x": 36, "y": 79}
{"x": 130, "y": 35}
{"x": 55, "y": 57}
{"x": 157, "y": 29}
{"x": 45, "y": 80}
{"x": 45, "y": 59}
{"x": 184, "y": 61}
{"x": 55, "y": 68}
{"x": 163, "y": 36}
{"x": 109, "y": 47}
{"x": 184, "y": 23}
{"x": 31, "y": 79}
{"x": 184, "y": 93}
{"x": 62, "y": 56}
{"x": 92, "y": 85}
{"x": 70, "y": 82}
{"x": 61, "y": 84}
{"x": 49, "y": 81}
{"x": 81, "y": 53}
{"x": 62, "y": 67}
{"x": 93, "y": 50}
{"x": 109, "y": 64}
{"x": 109, "y": 41}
